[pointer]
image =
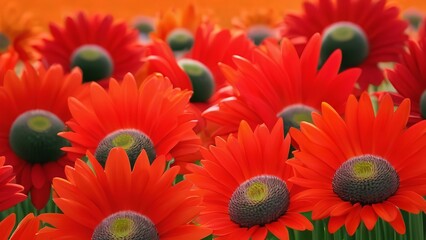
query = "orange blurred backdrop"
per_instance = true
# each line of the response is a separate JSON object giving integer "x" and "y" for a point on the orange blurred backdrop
{"x": 223, "y": 10}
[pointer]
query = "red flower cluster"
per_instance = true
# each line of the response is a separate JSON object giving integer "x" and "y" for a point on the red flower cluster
{"x": 174, "y": 127}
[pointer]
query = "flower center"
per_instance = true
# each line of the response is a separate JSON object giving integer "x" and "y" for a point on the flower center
{"x": 201, "y": 79}
{"x": 144, "y": 25}
{"x": 131, "y": 140}
{"x": 34, "y": 136}
{"x": 365, "y": 179}
{"x": 413, "y": 18}
{"x": 423, "y": 105}
{"x": 4, "y": 42}
{"x": 125, "y": 225}
{"x": 94, "y": 61}
{"x": 350, "y": 39}
{"x": 258, "y": 201}
{"x": 180, "y": 40}
{"x": 294, "y": 114}
{"x": 258, "y": 33}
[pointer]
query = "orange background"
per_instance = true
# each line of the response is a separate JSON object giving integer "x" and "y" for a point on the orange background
{"x": 224, "y": 10}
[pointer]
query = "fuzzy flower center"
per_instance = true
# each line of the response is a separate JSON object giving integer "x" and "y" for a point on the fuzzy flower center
{"x": 259, "y": 201}
{"x": 34, "y": 136}
{"x": 293, "y": 115}
{"x": 94, "y": 61}
{"x": 125, "y": 225}
{"x": 4, "y": 42}
{"x": 131, "y": 140}
{"x": 258, "y": 33}
{"x": 365, "y": 179}
{"x": 180, "y": 40}
{"x": 144, "y": 26}
{"x": 413, "y": 18}
{"x": 350, "y": 39}
{"x": 202, "y": 80}
{"x": 423, "y": 105}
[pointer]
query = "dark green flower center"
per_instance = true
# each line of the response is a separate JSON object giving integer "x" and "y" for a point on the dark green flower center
{"x": 144, "y": 25}
{"x": 423, "y": 104}
{"x": 4, "y": 42}
{"x": 131, "y": 140}
{"x": 34, "y": 136}
{"x": 294, "y": 114}
{"x": 258, "y": 33}
{"x": 259, "y": 201}
{"x": 201, "y": 79}
{"x": 180, "y": 40}
{"x": 365, "y": 179}
{"x": 413, "y": 18}
{"x": 125, "y": 225}
{"x": 94, "y": 61}
{"x": 350, "y": 39}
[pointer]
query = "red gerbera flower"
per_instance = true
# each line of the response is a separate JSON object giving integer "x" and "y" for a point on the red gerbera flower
{"x": 279, "y": 83}
{"x": 151, "y": 117}
{"x": 33, "y": 110}
{"x": 11, "y": 192}
{"x": 120, "y": 203}
{"x": 97, "y": 44}
{"x": 367, "y": 32}
{"x": 185, "y": 19}
{"x": 245, "y": 188}
{"x": 409, "y": 79}
{"x": 258, "y": 24}
{"x": 27, "y": 228}
{"x": 19, "y": 31}
{"x": 362, "y": 167}
{"x": 198, "y": 69}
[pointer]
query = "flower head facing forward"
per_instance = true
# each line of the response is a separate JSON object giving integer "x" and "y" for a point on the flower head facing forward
{"x": 362, "y": 167}
{"x": 367, "y": 31}
{"x": 121, "y": 202}
{"x": 100, "y": 46}
{"x": 278, "y": 83}
{"x": 152, "y": 116}
{"x": 245, "y": 187}
{"x": 34, "y": 110}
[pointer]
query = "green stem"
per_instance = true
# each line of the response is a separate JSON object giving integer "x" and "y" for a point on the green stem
{"x": 319, "y": 230}
{"x": 416, "y": 226}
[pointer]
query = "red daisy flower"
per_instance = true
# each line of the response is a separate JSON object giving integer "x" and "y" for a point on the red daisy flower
{"x": 177, "y": 22}
{"x": 26, "y": 229}
{"x": 279, "y": 83}
{"x": 33, "y": 110}
{"x": 97, "y": 44}
{"x": 258, "y": 24}
{"x": 409, "y": 79}
{"x": 151, "y": 117}
{"x": 245, "y": 188}
{"x": 198, "y": 69}
{"x": 367, "y": 31}
{"x": 11, "y": 192}
{"x": 143, "y": 202}
{"x": 362, "y": 167}
{"x": 19, "y": 31}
